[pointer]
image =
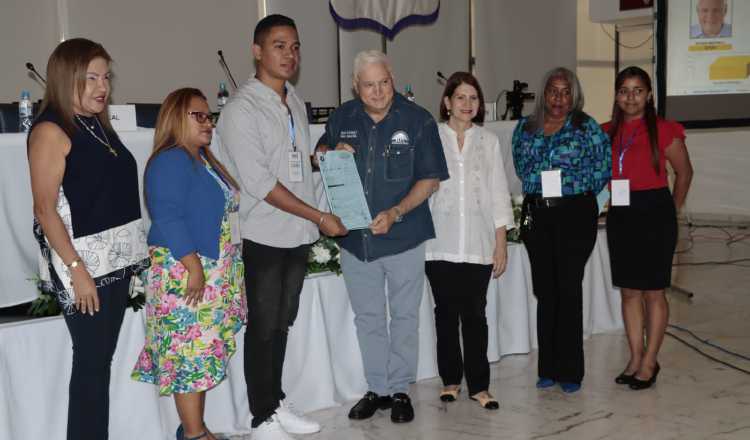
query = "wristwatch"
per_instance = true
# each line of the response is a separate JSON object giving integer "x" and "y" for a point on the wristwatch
{"x": 399, "y": 216}
{"x": 73, "y": 264}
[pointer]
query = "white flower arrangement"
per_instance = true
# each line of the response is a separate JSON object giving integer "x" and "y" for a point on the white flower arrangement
{"x": 325, "y": 256}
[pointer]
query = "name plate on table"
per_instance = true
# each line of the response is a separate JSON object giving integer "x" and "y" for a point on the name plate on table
{"x": 344, "y": 189}
{"x": 122, "y": 117}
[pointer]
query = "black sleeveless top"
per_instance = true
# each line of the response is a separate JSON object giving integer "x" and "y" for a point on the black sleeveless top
{"x": 99, "y": 205}
{"x": 102, "y": 188}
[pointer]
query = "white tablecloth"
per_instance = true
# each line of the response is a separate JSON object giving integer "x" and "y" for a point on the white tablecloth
{"x": 19, "y": 251}
{"x": 323, "y": 366}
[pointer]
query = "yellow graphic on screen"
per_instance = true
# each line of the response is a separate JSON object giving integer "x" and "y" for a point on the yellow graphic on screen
{"x": 728, "y": 68}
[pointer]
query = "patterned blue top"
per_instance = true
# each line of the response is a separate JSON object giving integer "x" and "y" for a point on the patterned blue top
{"x": 583, "y": 155}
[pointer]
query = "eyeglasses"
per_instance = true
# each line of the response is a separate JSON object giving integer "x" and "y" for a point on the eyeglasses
{"x": 201, "y": 117}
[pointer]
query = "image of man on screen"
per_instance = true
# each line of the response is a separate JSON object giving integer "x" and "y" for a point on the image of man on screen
{"x": 711, "y": 15}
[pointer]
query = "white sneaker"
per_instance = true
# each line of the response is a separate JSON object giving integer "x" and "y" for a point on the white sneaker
{"x": 293, "y": 421}
{"x": 270, "y": 429}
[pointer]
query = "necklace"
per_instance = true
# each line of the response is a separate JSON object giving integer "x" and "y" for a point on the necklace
{"x": 104, "y": 141}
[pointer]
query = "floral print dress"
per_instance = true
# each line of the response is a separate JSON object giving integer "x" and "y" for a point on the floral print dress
{"x": 188, "y": 348}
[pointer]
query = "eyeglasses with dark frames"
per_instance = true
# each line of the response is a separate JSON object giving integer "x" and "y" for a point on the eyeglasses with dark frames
{"x": 201, "y": 117}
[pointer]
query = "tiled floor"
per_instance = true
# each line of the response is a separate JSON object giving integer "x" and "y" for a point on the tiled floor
{"x": 695, "y": 398}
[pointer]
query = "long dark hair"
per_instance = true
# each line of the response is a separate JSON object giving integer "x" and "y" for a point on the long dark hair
{"x": 649, "y": 114}
{"x": 452, "y": 84}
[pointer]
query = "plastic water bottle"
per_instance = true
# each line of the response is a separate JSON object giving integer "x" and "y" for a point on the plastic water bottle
{"x": 409, "y": 94}
{"x": 25, "y": 112}
{"x": 222, "y": 96}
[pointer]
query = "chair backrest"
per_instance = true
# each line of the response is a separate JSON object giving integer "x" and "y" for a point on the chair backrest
{"x": 9, "y": 117}
{"x": 145, "y": 114}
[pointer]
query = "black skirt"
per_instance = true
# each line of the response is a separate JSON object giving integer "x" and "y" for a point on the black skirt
{"x": 642, "y": 238}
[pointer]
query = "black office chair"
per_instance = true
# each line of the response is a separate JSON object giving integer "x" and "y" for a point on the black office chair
{"x": 9, "y": 116}
{"x": 145, "y": 114}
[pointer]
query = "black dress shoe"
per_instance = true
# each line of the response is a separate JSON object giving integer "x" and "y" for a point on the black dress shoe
{"x": 402, "y": 411}
{"x": 367, "y": 405}
{"x": 624, "y": 379}
{"x": 638, "y": 384}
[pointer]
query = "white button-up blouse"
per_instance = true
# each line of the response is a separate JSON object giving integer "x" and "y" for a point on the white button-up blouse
{"x": 475, "y": 201}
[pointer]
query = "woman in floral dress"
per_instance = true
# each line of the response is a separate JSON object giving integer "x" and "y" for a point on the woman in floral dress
{"x": 195, "y": 290}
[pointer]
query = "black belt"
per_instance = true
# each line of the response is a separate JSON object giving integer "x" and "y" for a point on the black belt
{"x": 537, "y": 201}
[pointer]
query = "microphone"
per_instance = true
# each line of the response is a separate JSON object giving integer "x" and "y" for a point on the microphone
{"x": 441, "y": 76}
{"x": 31, "y": 69}
{"x": 223, "y": 62}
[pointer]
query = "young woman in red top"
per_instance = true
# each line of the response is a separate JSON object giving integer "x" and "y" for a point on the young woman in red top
{"x": 642, "y": 220}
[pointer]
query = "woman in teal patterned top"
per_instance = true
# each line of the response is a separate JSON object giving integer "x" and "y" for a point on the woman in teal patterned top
{"x": 563, "y": 160}
{"x": 195, "y": 283}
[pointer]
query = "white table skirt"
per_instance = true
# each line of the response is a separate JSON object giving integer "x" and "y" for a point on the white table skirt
{"x": 323, "y": 365}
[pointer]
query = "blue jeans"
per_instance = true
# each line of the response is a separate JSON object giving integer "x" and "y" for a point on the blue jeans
{"x": 389, "y": 351}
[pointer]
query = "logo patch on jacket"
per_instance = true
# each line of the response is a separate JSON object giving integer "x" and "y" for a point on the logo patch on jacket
{"x": 348, "y": 134}
{"x": 400, "y": 138}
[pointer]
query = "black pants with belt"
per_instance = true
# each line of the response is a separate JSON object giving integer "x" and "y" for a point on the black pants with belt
{"x": 273, "y": 281}
{"x": 559, "y": 236}
{"x": 94, "y": 342}
{"x": 460, "y": 292}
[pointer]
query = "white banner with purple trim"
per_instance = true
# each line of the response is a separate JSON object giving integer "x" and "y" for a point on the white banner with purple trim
{"x": 385, "y": 16}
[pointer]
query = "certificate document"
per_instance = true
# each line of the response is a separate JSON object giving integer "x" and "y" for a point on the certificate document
{"x": 344, "y": 189}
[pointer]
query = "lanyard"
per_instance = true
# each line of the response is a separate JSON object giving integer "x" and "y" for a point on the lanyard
{"x": 623, "y": 148}
{"x": 292, "y": 134}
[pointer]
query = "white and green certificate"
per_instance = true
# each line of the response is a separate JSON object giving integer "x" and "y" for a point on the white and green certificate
{"x": 344, "y": 189}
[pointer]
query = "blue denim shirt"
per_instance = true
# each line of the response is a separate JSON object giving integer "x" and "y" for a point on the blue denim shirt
{"x": 583, "y": 154}
{"x": 391, "y": 156}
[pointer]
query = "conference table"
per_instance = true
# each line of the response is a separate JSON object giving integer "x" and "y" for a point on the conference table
{"x": 323, "y": 367}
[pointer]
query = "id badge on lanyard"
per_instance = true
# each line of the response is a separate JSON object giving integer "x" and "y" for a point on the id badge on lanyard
{"x": 234, "y": 227}
{"x": 620, "y": 186}
{"x": 295, "y": 157}
{"x": 551, "y": 181}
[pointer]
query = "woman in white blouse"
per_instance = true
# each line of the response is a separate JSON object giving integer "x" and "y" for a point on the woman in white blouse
{"x": 472, "y": 212}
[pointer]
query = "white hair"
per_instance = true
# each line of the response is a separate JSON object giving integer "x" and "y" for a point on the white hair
{"x": 724, "y": 3}
{"x": 367, "y": 57}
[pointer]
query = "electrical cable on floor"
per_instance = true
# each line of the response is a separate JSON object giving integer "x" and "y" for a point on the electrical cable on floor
{"x": 715, "y": 359}
{"x": 729, "y": 240}
{"x": 713, "y": 263}
{"x": 707, "y": 342}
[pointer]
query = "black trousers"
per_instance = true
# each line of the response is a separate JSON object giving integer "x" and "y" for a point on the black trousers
{"x": 460, "y": 292}
{"x": 94, "y": 342}
{"x": 559, "y": 240}
{"x": 273, "y": 279}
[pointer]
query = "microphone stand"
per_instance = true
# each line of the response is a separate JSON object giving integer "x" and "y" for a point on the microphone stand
{"x": 36, "y": 75}
{"x": 223, "y": 63}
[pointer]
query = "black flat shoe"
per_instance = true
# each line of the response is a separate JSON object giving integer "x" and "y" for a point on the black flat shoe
{"x": 402, "y": 411}
{"x": 367, "y": 405}
{"x": 638, "y": 384}
{"x": 624, "y": 379}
